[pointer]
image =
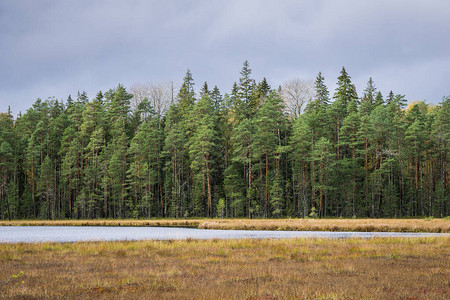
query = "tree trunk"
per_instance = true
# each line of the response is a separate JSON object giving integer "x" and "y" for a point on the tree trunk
{"x": 209, "y": 186}
{"x": 354, "y": 181}
{"x": 161, "y": 198}
{"x": 267, "y": 184}
{"x": 366, "y": 168}
{"x": 250, "y": 183}
{"x": 321, "y": 189}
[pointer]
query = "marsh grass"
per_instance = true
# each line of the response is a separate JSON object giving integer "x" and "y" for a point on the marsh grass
{"x": 363, "y": 225}
{"x": 374, "y": 268}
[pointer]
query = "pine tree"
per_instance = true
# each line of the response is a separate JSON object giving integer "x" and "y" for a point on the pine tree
{"x": 415, "y": 147}
{"x": 174, "y": 154}
{"x": 117, "y": 169}
{"x": 364, "y": 139}
{"x": 231, "y": 156}
{"x": 6, "y": 155}
{"x": 139, "y": 174}
{"x": 350, "y": 143}
{"x": 46, "y": 187}
{"x": 322, "y": 155}
{"x": 243, "y": 154}
{"x": 380, "y": 129}
{"x": 201, "y": 151}
{"x": 93, "y": 172}
{"x": 441, "y": 136}
{"x": 269, "y": 124}
{"x": 301, "y": 151}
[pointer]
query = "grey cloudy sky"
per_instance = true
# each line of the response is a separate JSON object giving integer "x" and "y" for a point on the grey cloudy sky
{"x": 56, "y": 48}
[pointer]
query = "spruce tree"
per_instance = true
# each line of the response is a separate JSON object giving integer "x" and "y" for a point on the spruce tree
{"x": 186, "y": 95}
{"x": 245, "y": 93}
{"x": 368, "y": 100}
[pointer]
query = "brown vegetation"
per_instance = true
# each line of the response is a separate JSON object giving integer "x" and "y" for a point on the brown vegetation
{"x": 413, "y": 268}
{"x": 364, "y": 225}
{"x": 100, "y": 222}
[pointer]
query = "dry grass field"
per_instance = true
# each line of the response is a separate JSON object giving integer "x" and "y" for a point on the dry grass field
{"x": 377, "y": 268}
{"x": 365, "y": 225}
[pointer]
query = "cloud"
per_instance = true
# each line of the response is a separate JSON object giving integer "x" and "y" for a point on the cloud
{"x": 55, "y": 48}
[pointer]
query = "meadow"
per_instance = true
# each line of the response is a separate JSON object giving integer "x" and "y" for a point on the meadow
{"x": 363, "y": 225}
{"x": 377, "y": 268}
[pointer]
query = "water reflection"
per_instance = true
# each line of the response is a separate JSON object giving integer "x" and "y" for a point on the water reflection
{"x": 29, "y": 234}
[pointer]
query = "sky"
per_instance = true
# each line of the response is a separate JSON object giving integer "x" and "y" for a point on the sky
{"x": 57, "y": 48}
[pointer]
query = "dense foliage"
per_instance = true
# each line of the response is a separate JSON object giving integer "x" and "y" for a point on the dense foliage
{"x": 237, "y": 155}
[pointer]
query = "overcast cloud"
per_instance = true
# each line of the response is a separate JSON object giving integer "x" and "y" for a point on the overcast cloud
{"x": 56, "y": 48}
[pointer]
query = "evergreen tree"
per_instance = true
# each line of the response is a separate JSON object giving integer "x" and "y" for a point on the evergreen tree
{"x": 243, "y": 156}
{"x": 186, "y": 95}
{"x": 174, "y": 154}
{"x": 245, "y": 104}
{"x": 345, "y": 94}
{"x": 379, "y": 99}
{"x": 301, "y": 151}
{"x": 201, "y": 151}
{"x": 217, "y": 99}
{"x": 322, "y": 155}
{"x": 6, "y": 155}
{"x": 350, "y": 142}
{"x": 269, "y": 124}
{"x": 205, "y": 90}
{"x": 441, "y": 136}
{"x": 46, "y": 187}
{"x": 235, "y": 155}
{"x": 368, "y": 100}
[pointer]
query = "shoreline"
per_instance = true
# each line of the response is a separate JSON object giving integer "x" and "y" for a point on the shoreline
{"x": 344, "y": 225}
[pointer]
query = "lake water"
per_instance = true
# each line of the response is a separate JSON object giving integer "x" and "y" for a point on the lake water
{"x": 31, "y": 234}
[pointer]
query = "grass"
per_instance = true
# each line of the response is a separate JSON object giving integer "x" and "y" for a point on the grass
{"x": 105, "y": 222}
{"x": 365, "y": 225}
{"x": 377, "y": 268}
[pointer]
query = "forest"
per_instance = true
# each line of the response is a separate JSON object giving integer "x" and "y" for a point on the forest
{"x": 249, "y": 153}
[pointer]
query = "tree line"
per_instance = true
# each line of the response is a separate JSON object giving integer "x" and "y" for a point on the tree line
{"x": 242, "y": 154}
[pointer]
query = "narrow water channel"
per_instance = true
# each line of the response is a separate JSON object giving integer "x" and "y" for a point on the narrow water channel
{"x": 32, "y": 234}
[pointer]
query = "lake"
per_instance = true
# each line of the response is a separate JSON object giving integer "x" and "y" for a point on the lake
{"x": 32, "y": 234}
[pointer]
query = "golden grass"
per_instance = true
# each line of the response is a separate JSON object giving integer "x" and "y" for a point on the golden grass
{"x": 365, "y": 225}
{"x": 377, "y": 268}
{"x": 105, "y": 222}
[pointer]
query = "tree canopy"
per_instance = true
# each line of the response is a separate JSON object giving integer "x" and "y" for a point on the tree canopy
{"x": 242, "y": 154}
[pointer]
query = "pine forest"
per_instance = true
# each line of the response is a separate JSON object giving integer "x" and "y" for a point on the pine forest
{"x": 297, "y": 150}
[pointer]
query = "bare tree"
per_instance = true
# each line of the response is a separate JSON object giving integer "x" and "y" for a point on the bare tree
{"x": 296, "y": 93}
{"x": 160, "y": 96}
{"x": 140, "y": 92}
